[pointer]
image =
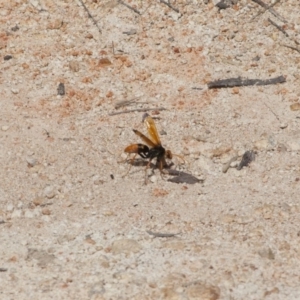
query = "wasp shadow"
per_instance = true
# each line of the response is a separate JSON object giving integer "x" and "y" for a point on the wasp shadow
{"x": 182, "y": 177}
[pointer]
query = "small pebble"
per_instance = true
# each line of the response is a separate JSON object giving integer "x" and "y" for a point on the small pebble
{"x": 37, "y": 201}
{"x": 61, "y": 89}
{"x": 35, "y": 3}
{"x": 29, "y": 214}
{"x": 130, "y": 32}
{"x": 234, "y": 164}
{"x": 9, "y": 207}
{"x": 49, "y": 192}
{"x": 16, "y": 213}
{"x": 15, "y": 28}
{"x": 15, "y": 91}
{"x": 294, "y": 145}
{"x": 267, "y": 253}
{"x": 261, "y": 144}
{"x": 295, "y": 106}
{"x": 283, "y": 125}
{"x": 98, "y": 181}
{"x": 108, "y": 213}
{"x": 7, "y": 57}
{"x": 153, "y": 179}
{"x": 89, "y": 36}
{"x": 31, "y": 161}
{"x": 55, "y": 24}
{"x": 46, "y": 211}
{"x": 68, "y": 204}
{"x": 74, "y": 66}
{"x": 4, "y": 127}
{"x": 282, "y": 148}
{"x": 46, "y": 218}
{"x": 125, "y": 246}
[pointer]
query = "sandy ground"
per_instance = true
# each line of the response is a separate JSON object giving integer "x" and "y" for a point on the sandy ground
{"x": 71, "y": 227}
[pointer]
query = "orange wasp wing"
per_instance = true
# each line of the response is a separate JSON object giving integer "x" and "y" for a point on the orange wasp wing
{"x": 144, "y": 138}
{"x": 152, "y": 131}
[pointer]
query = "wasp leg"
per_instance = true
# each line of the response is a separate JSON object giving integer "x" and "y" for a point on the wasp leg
{"x": 123, "y": 160}
{"x": 131, "y": 163}
{"x": 162, "y": 164}
{"x": 147, "y": 167}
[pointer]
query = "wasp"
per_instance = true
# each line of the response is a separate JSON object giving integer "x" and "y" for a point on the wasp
{"x": 153, "y": 148}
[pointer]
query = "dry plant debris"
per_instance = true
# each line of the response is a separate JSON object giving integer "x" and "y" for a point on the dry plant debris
{"x": 71, "y": 227}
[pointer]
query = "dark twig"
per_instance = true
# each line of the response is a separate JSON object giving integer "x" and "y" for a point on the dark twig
{"x": 291, "y": 47}
{"x": 130, "y": 7}
{"x": 133, "y": 110}
{"x": 159, "y": 234}
{"x": 90, "y": 16}
{"x": 170, "y": 5}
{"x": 127, "y": 102}
{"x": 3, "y": 269}
{"x": 278, "y": 27}
{"x": 232, "y": 82}
{"x": 267, "y": 7}
{"x": 270, "y": 9}
{"x": 271, "y": 110}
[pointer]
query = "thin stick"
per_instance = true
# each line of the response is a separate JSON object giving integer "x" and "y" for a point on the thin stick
{"x": 262, "y": 12}
{"x": 272, "y": 111}
{"x": 134, "y": 110}
{"x": 113, "y": 47}
{"x": 278, "y": 27}
{"x": 169, "y": 5}
{"x": 232, "y": 82}
{"x": 130, "y": 7}
{"x": 291, "y": 47}
{"x": 127, "y": 102}
{"x": 270, "y": 9}
{"x": 159, "y": 234}
{"x": 90, "y": 16}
